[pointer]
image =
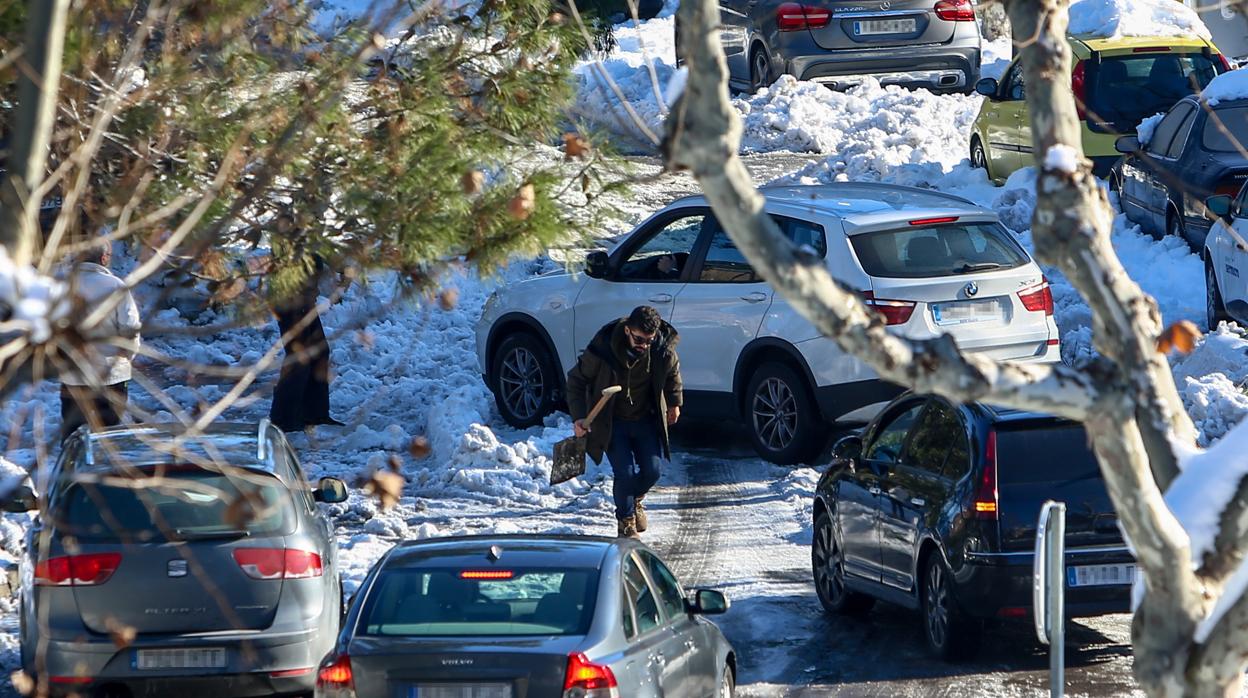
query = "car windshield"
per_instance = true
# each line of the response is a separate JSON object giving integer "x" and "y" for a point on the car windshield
{"x": 481, "y": 603}
{"x": 938, "y": 250}
{"x": 1226, "y": 130}
{"x": 175, "y": 502}
{"x": 1125, "y": 90}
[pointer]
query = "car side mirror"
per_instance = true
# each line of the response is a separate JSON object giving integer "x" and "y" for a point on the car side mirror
{"x": 847, "y": 451}
{"x": 330, "y": 490}
{"x": 988, "y": 87}
{"x": 22, "y": 499}
{"x": 596, "y": 264}
{"x": 708, "y": 602}
{"x": 1219, "y": 206}
{"x": 1127, "y": 144}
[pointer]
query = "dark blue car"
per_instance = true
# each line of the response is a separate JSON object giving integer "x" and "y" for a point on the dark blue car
{"x": 1195, "y": 152}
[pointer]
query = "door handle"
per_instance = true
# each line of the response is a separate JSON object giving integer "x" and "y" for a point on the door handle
{"x": 873, "y": 490}
{"x": 756, "y": 297}
{"x": 661, "y": 298}
{"x": 658, "y": 658}
{"x": 918, "y": 501}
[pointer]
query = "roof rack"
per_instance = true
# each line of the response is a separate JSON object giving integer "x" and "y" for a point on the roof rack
{"x": 262, "y": 441}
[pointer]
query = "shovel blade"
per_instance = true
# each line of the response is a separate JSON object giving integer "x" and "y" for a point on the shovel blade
{"x": 569, "y": 460}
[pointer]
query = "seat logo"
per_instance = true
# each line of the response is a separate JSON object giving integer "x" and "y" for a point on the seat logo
{"x": 885, "y": 5}
{"x": 177, "y": 568}
{"x": 971, "y": 289}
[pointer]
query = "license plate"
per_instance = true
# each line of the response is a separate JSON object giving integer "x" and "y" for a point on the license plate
{"x": 459, "y": 690}
{"x": 963, "y": 312}
{"x": 868, "y": 27}
{"x": 190, "y": 658}
{"x": 1100, "y": 575}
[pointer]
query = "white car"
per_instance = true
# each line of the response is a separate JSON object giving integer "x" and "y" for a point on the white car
{"x": 1226, "y": 260}
{"x": 930, "y": 263}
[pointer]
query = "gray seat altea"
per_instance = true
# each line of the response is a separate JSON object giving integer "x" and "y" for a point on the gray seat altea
{"x": 166, "y": 565}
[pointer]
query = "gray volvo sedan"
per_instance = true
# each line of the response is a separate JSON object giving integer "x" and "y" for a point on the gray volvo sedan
{"x": 165, "y": 565}
{"x": 528, "y": 617}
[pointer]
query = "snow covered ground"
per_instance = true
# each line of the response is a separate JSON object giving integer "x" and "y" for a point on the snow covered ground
{"x": 407, "y": 369}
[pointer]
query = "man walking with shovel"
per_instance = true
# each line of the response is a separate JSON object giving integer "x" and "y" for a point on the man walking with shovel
{"x": 637, "y": 353}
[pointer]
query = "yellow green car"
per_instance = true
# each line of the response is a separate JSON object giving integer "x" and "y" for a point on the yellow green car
{"x": 1117, "y": 82}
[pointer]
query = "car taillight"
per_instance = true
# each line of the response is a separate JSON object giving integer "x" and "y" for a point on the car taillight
{"x": 1038, "y": 298}
{"x": 334, "y": 679}
{"x": 278, "y": 563}
{"x": 1221, "y": 59}
{"x": 985, "y": 505}
{"x": 584, "y": 679}
{"x": 955, "y": 10}
{"x": 1079, "y": 85}
{"x": 894, "y": 312}
{"x": 792, "y": 17}
{"x": 77, "y": 570}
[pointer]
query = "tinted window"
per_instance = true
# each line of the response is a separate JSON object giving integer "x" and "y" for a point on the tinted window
{"x": 1051, "y": 454}
{"x": 1226, "y": 130}
{"x": 1180, "y": 138}
{"x": 934, "y": 438}
{"x": 1014, "y": 87}
{"x": 1167, "y": 129}
{"x": 1125, "y": 90}
{"x": 670, "y": 596}
{"x": 175, "y": 502}
{"x": 641, "y": 597}
{"x": 804, "y": 234}
{"x": 892, "y": 436}
{"x": 441, "y": 602}
{"x": 725, "y": 263}
{"x": 663, "y": 256}
{"x": 939, "y": 250}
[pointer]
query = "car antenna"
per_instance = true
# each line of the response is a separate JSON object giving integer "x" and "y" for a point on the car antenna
{"x": 261, "y": 441}
{"x": 495, "y": 553}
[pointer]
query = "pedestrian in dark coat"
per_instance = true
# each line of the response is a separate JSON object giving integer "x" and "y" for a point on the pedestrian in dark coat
{"x": 301, "y": 398}
{"x": 637, "y": 353}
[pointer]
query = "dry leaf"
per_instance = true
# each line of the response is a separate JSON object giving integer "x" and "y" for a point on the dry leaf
{"x": 521, "y": 205}
{"x": 386, "y": 486}
{"x": 121, "y": 634}
{"x": 419, "y": 448}
{"x": 448, "y": 299}
{"x": 22, "y": 683}
{"x": 1180, "y": 336}
{"x": 472, "y": 181}
{"x": 574, "y": 146}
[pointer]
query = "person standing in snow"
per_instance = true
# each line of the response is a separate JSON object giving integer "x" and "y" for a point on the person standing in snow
{"x": 95, "y": 384}
{"x": 637, "y": 353}
{"x": 301, "y": 398}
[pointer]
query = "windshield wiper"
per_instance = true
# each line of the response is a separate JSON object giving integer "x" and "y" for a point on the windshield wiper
{"x": 982, "y": 266}
{"x": 210, "y": 535}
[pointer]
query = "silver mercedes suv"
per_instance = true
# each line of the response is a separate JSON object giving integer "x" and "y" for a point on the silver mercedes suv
{"x": 161, "y": 564}
{"x": 913, "y": 43}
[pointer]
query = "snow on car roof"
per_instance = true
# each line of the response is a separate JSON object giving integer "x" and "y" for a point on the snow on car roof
{"x": 1226, "y": 87}
{"x": 848, "y": 200}
{"x": 1118, "y": 18}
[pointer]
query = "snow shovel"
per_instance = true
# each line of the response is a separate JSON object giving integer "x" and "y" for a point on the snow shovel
{"x": 570, "y": 453}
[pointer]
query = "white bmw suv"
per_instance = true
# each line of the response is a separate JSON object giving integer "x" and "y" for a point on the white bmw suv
{"x": 930, "y": 263}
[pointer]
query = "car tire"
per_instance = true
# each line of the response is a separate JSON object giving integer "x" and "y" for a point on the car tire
{"x": 782, "y": 415}
{"x": 727, "y": 685}
{"x": 828, "y": 568}
{"x": 1175, "y": 228}
{"x": 524, "y": 380}
{"x": 760, "y": 70}
{"x": 951, "y": 636}
{"x": 979, "y": 156}
{"x": 1215, "y": 307}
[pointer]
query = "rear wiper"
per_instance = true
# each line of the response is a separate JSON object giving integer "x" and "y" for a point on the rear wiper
{"x": 982, "y": 266}
{"x": 210, "y": 535}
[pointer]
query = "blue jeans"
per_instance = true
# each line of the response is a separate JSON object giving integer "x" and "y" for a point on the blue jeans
{"x": 635, "y": 452}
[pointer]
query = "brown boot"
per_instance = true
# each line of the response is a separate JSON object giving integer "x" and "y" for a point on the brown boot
{"x": 639, "y": 515}
{"x": 626, "y": 528}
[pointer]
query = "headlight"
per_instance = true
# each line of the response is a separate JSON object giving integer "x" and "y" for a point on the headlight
{"x": 490, "y": 303}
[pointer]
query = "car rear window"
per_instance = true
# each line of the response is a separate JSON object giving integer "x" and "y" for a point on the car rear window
{"x": 1226, "y": 130}
{"x": 173, "y": 503}
{"x": 1125, "y": 90}
{"x": 938, "y": 250}
{"x": 488, "y": 602}
{"x": 1049, "y": 454}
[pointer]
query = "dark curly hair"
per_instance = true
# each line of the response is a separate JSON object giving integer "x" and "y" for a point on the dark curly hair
{"x": 644, "y": 319}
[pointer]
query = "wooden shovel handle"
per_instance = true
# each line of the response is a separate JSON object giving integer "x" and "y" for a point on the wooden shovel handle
{"x": 602, "y": 402}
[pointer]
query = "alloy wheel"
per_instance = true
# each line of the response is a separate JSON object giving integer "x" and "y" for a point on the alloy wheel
{"x": 522, "y": 383}
{"x": 829, "y": 568}
{"x": 775, "y": 414}
{"x": 760, "y": 72}
{"x": 979, "y": 159}
{"x": 937, "y": 606}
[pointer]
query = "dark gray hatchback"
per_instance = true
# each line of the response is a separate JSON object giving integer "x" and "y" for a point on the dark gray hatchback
{"x": 528, "y": 617}
{"x": 162, "y": 564}
{"x": 912, "y": 43}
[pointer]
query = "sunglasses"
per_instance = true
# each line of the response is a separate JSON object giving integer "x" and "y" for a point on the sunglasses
{"x": 640, "y": 340}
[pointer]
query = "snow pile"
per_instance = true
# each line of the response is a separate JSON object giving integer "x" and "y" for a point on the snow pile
{"x": 1061, "y": 158}
{"x": 640, "y": 67}
{"x": 1226, "y": 87}
{"x": 1118, "y": 18}
{"x": 1144, "y": 132}
{"x": 1211, "y": 382}
{"x": 996, "y": 57}
{"x": 30, "y": 300}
